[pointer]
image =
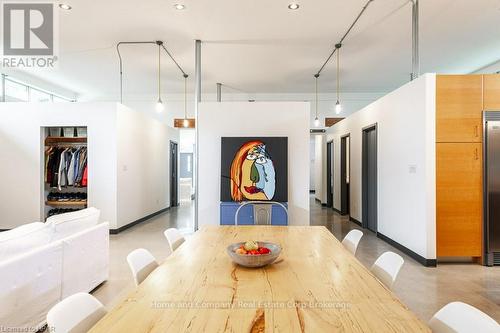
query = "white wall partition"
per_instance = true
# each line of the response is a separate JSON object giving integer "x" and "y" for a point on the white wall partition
{"x": 320, "y": 167}
{"x": 143, "y": 165}
{"x": 406, "y": 164}
{"x": 290, "y": 119}
{"x": 115, "y": 134}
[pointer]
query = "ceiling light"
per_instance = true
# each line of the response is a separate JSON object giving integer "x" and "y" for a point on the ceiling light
{"x": 179, "y": 6}
{"x": 186, "y": 121}
{"x": 64, "y": 6}
{"x": 293, "y": 6}
{"x": 159, "y": 104}
{"x": 316, "y": 119}
{"x": 316, "y": 122}
{"x": 338, "y": 106}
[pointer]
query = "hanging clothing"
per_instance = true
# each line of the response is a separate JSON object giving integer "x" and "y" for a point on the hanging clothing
{"x": 64, "y": 166}
{"x": 84, "y": 177}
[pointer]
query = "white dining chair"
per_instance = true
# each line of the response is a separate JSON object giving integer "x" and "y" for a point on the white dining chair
{"x": 458, "y": 317}
{"x": 76, "y": 314}
{"x": 141, "y": 263}
{"x": 386, "y": 267}
{"x": 351, "y": 240}
{"x": 174, "y": 238}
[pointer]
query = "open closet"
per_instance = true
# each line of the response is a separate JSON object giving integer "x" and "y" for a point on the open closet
{"x": 64, "y": 170}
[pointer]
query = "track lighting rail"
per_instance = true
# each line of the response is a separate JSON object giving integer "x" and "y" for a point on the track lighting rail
{"x": 157, "y": 42}
{"x": 339, "y": 44}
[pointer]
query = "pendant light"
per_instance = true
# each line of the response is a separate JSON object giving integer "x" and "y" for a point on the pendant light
{"x": 159, "y": 104}
{"x": 316, "y": 119}
{"x": 185, "y": 123}
{"x": 338, "y": 106}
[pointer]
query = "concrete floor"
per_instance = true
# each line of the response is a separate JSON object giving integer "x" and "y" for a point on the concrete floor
{"x": 423, "y": 289}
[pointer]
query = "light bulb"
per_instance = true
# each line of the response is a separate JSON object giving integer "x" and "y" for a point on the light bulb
{"x": 316, "y": 122}
{"x": 185, "y": 122}
{"x": 338, "y": 107}
{"x": 159, "y": 106}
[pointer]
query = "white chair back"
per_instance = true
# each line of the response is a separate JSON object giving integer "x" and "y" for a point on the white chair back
{"x": 386, "y": 267}
{"x": 76, "y": 313}
{"x": 351, "y": 240}
{"x": 174, "y": 238}
{"x": 141, "y": 263}
{"x": 460, "y": 317}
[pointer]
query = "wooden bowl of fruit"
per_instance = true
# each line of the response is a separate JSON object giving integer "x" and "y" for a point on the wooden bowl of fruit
{"x": 253, "y": 253}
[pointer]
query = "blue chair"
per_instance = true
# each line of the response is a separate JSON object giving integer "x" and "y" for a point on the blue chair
{"x": 263, "y": 212}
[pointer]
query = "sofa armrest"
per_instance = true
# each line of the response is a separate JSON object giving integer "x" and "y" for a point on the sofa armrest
{"x": 85, "y": 260}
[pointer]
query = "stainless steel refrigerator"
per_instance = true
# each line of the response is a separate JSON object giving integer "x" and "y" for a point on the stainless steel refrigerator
{"x": 491, "y": 144}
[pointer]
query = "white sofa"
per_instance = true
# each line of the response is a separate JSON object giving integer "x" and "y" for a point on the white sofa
{"x": 42, "y": 263}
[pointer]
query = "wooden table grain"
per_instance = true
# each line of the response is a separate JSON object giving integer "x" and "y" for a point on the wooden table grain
{"x": 316, "y": 286}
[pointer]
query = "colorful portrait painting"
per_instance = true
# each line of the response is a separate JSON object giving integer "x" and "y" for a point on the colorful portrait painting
{"x": 254, "y": 169}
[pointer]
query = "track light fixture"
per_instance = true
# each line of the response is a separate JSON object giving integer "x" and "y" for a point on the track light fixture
{"x": 338, "y": 106}
{"x": 316, "y": 119}
{"x": 159, "y": 104}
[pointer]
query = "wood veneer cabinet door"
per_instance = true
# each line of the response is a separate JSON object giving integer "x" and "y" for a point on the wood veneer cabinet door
{"x": 459, "y": 105}
{"x": 459, "y": 199}
{"x": 492, "y": 92}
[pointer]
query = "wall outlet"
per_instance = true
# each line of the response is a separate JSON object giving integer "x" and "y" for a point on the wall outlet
{"x": 125, "y": 167}
{"x": 412, "y": 168}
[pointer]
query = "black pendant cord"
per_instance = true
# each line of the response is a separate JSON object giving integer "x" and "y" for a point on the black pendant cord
{"x": 159, "y": 43}
{"x": 339, "y": 44}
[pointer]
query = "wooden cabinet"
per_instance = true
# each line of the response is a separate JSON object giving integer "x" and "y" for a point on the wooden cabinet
{"x": 492, "y": 92}
{"x": 459, "y": 106}
{"x": 459, "y": 204}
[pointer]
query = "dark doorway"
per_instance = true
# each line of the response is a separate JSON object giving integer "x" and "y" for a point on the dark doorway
{"x": 344, "y": 175}
{"x": 369, "y": 174}
{"x": 329, "y": 174}
{"x": 174, "y": 178}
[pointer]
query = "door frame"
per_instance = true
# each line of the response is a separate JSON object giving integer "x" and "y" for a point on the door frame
{"x": 344, "y": 187}
{"x": 329, "y": 174}
{"x": 364, "y": 176}
{"x": 174, "y": 202}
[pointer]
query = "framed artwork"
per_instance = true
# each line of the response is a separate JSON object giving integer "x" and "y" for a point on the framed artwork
{"x": 254, "y": 169}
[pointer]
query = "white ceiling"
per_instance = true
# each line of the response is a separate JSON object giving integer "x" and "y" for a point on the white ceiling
{"x": 259, "y": 46}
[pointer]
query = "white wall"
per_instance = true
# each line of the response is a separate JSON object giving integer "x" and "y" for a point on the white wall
{"x": 290, "y": 119}
{"x": 127, "y": 160}
{"x": 21, "y": 148}
{"x": 406, "y": 140}
{"x": 320, "y": 167}
{"x": 143, "y": 160}
{"x": 312, "y": 158}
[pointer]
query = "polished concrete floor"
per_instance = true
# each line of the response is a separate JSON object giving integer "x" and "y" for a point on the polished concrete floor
{"x": 423, "y": 289}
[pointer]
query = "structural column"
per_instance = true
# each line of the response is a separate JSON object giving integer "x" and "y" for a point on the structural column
{"x": 219, "y": 92}
{"x": 197, "y": 100}
{"x": 415, "y": 57}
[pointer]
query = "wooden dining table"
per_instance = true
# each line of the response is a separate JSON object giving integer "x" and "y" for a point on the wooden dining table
{"x": 315, "y": 286}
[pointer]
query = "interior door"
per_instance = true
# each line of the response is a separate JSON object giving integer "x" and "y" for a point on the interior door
{"x": 329, "y": 175}
{"x": 174, "y": 179}
{"x": 344, "y": 175}
{"x": 369, "y": 185}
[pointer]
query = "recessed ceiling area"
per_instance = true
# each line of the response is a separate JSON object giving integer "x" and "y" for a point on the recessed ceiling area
{"x": 262, "y": 46}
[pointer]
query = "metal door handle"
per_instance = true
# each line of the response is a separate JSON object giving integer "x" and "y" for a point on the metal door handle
{"x": 476, "y": 155}
{"x": 476, "y": 131}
